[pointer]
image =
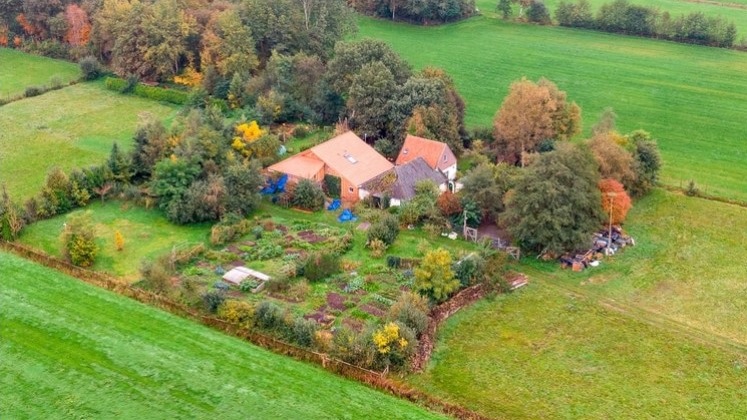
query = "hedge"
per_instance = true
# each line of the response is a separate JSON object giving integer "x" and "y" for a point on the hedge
{"x": 150, "y": 92}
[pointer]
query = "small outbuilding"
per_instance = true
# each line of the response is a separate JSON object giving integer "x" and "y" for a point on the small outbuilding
{"x": 239, "y": 274}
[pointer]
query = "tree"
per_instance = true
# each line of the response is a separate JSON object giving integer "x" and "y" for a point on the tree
{"x": 612, "y": 159}
{"x": 533, "y": 112}
{"x": 538, "y": 13}
{"x": 308, "y": 196}
{"x": 171, "y": 179}
{"x": 647, "y": 162}
{"x": 119, "y": 241}
{"x": 486, "y": 185}
{"x": 227, "y": 45}
{"x": 242, "y": 181}
{"x": 615, "y": 201}
{"x": 78, "y": 240}
{"x": 370, "y": 92}
{"x": 79, "y": 27}
{"x": 555, "y": 205}
{"x": 350, "y": 57}
{"x": 434, "y": 276}
{"x": 119, "y": 165}
{"x": 504, "y": 6}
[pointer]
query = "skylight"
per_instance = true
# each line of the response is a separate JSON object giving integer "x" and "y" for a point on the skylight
{"x": 350, "y": 158}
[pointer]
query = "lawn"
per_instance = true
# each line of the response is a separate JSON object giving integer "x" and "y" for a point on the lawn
{"x": 73, "y": 350}
{"x": 19, "y": 70}
{"x": 658, "y": 330}
{"x": 692, "y": 99}
{"x": 70, "y": 128}
{"x": 147, "y": 233}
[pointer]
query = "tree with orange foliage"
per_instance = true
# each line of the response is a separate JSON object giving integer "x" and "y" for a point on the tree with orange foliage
{"x": 615, "y": 201}
{"x": 79, "y": 26}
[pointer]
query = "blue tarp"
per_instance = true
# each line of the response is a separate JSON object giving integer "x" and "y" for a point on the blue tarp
{"x": 334, "y": 205}
{"x": 346, "y": 216}
{"x": 272, "y": 187}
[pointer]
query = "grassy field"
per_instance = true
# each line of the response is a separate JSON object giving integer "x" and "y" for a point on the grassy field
{"x": 731, "y": 10}
{"x": 656, "y": 331}
{"x": 19, "y": 70}
{"x": 692, "y": 99}
{"x": 147, "y": 234}
{"x": 69, "y": 128}
{"x": 73, "y": 350}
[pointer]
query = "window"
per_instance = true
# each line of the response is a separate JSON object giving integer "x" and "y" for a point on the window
{"x": 351, "y": 189}
{"x": 445, "y": 157}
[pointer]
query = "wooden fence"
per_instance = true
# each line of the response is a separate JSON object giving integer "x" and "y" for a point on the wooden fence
{"x": 377, "y": 380}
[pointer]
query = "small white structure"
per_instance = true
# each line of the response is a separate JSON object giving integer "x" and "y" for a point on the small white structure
{"x": 239, "y": 274}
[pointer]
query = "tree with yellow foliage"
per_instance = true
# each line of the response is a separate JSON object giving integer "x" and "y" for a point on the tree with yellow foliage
{"x": 434, "y": 277}
{"x": 119, "y": 241}
{"x": 394, "y": 343}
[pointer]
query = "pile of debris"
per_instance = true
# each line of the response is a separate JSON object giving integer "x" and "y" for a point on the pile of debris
{"x": 604, "y": 242}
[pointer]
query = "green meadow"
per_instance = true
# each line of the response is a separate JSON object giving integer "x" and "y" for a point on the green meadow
{"x": 692, "y": 99}
{"x": 73, "y": 350}
{"x": 19, "y": 70}
{"x": 657, "y": 330}
{"x": 147, "y": 234}
{"x": 70, "y": 128}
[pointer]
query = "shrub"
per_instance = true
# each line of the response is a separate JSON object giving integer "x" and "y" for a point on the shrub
{"x": 378, "y": 248}
{"x": 269, "y": 316}
{"x": 304, "y": 331}
{"x": 537, "y": 13}
{"x": 78, "y": 240}
{"x": 308, "y": 196}
{"x": 394, "y": 344}
{"x": 90, "y": 68}
{"x": 692, "y": 189}
{"x": 278, "y": 284}
{"x": 435, "y": 277}
{"x": 386, "y": 229}
{"x": 410, "y": 309}
{"x": 32, "y": 91}
{"x": 212, "y": 300}
{"x": 321, "y": 265}
{"x": 393, "y": 261}
{"x": 55, "y": 82}
{"x": 470, "y": 269}
{"x": 237, "y": 311}
{"x": 332, "y": 185}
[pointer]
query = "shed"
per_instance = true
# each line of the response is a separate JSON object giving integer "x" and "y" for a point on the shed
{"x": 239, "y": 274}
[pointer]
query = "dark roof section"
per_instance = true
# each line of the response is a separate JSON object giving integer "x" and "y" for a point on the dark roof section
{"x": 409, "y": 174}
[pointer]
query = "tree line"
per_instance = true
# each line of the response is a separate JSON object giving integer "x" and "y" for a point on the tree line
{"x": 620, "y": 16}
{"x": 417, "y": 11}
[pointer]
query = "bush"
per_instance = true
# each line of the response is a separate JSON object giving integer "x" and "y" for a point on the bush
{"x": 212, "y": 300}
{"x": 394, "y": 343}
{"x": 304, "y": 331}
{"x": 393, "y": 261}
{"x": 269, "y": 316}
{"x": 156, "y": 275}
{"x": 90, "y": 68}
{"x": 32, "y": 91}
{"x": 470, "y": 269}
{"x": 173, "y": 96}
{"x": 378, "y": 248}
{"x": 237, "y": 311}
{"x": 321, "y": 265}
{"x": 410, "y": 309}
{"x": 308, "y": 196}
{"x": 78, "y": 240}
{"x": 386, "y": 229}
{"x": 537, "y": 13}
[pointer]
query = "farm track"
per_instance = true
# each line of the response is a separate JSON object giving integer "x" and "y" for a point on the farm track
{"x": 655, "y": 319}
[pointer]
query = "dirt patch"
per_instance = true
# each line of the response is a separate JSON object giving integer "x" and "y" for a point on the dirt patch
{"x": 372, "y": 310}
{"x": 310, "y": 236}
{"x": 354, "y": 324}
{"x": 336, "y": 301}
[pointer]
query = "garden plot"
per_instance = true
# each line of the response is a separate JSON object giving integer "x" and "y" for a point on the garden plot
{"x": 305, "y": 275}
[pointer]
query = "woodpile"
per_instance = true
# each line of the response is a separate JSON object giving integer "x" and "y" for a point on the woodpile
{"x": 604, "y": 242}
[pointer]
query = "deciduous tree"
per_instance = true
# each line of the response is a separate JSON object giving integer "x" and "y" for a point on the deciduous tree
{"x": 555, "y": 206}
{"x": 615, "y": 201}
{"x": 533, "y": 112}
{"x": 434, "y": 276}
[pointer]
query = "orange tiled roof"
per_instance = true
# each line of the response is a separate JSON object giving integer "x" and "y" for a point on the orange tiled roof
{"x": 430, "y": 150}
{"x": 352, "y": 158}
{"x": 303, "y": 165}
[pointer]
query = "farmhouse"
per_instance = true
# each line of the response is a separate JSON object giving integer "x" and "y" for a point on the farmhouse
{"x": 401, "y": 186}
{"x": 346, "y": 157}
{"x": 437, "y": 154}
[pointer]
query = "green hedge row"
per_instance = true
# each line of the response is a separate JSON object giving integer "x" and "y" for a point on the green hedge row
{"x": 151, "y": 92}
